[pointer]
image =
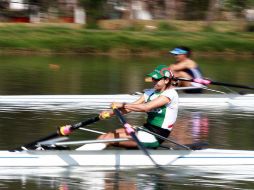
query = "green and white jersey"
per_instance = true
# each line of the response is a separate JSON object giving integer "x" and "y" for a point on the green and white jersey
{"x": 166, "y": 115}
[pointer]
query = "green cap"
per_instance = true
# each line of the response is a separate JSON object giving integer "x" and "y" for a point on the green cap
{"x": 160, "y": 72}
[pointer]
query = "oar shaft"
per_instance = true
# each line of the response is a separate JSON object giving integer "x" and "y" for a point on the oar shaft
{"x": 57, "y": 134}
{"x": 85, "y": 123}
{"x": 232, "y": 85}
{"x": 131, "y": 132}
{"x": 207, "y": 82}
{"x": 31, "y": 144}
{"x": 163, "y": 138}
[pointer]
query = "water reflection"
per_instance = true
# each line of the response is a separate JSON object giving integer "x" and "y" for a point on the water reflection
{"x": 191, "y": 128}
{"x": 152, "y": 179}
{"x": 200, "y": 125}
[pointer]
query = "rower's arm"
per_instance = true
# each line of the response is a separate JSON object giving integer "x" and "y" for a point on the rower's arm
{"x": 187, "y": 64}
{"x": 121, "y": 107}
{"x": 146, "y": 107}
{"x": 178, "y": 67}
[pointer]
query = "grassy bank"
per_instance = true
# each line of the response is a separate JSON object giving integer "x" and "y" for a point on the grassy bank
{"x": 73, "y": 39}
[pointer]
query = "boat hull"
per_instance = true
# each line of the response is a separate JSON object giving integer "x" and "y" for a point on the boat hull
{"x": 126, "y": 158}
{"x": 68, "y": 102}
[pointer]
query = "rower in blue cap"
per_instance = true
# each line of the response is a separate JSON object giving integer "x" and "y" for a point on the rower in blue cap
{"x": 185, "y": 67}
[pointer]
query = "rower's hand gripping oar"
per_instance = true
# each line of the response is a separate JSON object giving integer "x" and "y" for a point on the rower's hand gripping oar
{"x": 65, "y": 130}
{"x": 207, "y": 82}
{"x": 131, "y": 132}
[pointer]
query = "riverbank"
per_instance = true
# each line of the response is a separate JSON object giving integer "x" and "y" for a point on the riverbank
{"x": 62, "y": 39}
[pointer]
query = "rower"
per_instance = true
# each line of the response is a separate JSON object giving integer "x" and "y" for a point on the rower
{"x": 161, "y": 105}
{"x": 185, "y": 67}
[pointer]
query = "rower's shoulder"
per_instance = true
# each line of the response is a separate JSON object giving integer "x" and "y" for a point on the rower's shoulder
{"x": 190, "y": 63}
{"x": 171, "y": 91}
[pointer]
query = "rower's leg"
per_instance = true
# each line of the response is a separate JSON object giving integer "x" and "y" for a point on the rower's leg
{"x": 182, "y": 74}
{"x": 119, "y": 133}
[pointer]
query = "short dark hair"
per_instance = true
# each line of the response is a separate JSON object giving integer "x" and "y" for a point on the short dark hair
{"x": 185, "y": 48}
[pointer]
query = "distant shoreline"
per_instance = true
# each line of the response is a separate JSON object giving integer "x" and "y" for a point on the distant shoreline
{"x": 71, "y": 39}
{"x": 226, "y": 55}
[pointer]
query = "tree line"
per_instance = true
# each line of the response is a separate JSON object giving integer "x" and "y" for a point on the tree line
{"x": 208, "y": 10}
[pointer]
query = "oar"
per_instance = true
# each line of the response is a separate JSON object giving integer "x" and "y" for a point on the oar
{"x": 63, "y": 131}
{"x": 131, "y": 132}
{"x": 163, "y": 138}
{"x": 207, "y": 82}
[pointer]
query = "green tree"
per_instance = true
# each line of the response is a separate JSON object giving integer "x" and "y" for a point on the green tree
{"x": 94, "y": 10}
{"x": 195, "y": 9}
{"x": 237, "y": 6}
{"x": 212, "y": 11}
{"x": 43, "y": 5}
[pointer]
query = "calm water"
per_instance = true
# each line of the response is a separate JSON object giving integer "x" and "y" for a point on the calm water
{"x": 227, "y": 127}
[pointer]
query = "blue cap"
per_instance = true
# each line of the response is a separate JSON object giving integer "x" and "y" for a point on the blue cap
{"x": 178, "y": 51}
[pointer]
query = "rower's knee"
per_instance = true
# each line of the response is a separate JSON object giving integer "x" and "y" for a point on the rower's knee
{"x": 109, "y": 135}
{"x": 183, "y": 74}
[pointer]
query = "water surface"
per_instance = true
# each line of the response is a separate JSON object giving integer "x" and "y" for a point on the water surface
{"x": 221, "y": 127}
